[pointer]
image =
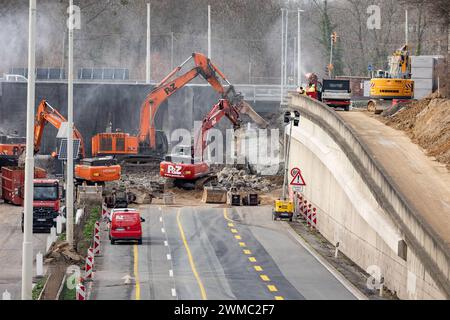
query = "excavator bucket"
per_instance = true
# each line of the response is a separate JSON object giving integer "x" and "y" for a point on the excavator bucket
{"x": 214, "y": 195}
{"x": 89, "y": 195}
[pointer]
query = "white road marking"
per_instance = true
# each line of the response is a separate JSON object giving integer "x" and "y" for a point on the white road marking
{"x": 346, "y": 283}
{"x": 169, "y": 257}
{"x": 163, "y": 230}
{"x": 174, "y": 293}
{"x": 171, "y": 273}
{"x": 160, "y": 219}
{"x": 166, "y": 244}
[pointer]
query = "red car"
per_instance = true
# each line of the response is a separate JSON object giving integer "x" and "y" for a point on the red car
{"x": 126, "y": 225}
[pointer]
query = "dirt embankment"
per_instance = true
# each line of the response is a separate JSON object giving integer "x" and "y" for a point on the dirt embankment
{"x": 427, "y": 122}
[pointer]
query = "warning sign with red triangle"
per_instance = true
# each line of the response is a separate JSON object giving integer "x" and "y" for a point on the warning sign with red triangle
{"x": 297, "y": 178}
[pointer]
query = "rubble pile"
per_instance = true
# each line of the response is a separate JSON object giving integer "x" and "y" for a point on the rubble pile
{"x": 239, "y": 179}
{"x": 142, "y": 186}
{"x": 62, "y": 252}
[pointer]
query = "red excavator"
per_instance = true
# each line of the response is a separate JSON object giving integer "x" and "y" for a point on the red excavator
{"x": 189, "y": 165}
{"x": 97, "y": 170}
{"x": 149, "y": 141}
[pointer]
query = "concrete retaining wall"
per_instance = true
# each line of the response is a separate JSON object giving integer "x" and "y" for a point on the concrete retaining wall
{"x": 363, "y": 210}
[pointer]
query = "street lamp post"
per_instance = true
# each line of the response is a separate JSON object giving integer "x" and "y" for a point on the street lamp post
{"x": 27, "y": 247}
{"x": 149, "y": 41}
{"x": 282, "y": 55}
{"x": 293, "y": 119}
{"x": 70, "y": 155}
{"x": 299, "y": 48}
{"x": 209, "y": 32}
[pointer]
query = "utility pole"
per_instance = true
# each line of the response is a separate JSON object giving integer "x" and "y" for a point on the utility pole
{"x": 209, "y": 32}
{"x": 70, "y": 156}
{"x": 286, "y": 48}
{"x": 148, "y": 74}
{"x": 406, "y": 27}
{"x": 333, "y": 40}
{"x": 299, "y": 48}
{"x": 282, "y": 55}
{"x": 171, "y": 52}
{"x": 27, "y": 247}
{"x": 292, "y": 119}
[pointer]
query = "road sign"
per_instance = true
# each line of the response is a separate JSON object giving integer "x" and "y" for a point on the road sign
{"x": 297, "y": 178}
{"x": 369, "y": 67}
{"x": 298, "y": 189}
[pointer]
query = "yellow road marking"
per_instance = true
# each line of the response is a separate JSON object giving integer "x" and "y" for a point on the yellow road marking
{"x": 279, "y": 298}
{"x": 272, "y": 288}
{"x": 231, "y": 225}
{"x": 136, "y": 273}
{"x": 264, "y": 277}
{"x": 225, "y": 215}
{"x": 247, "y": 252}
{"x": 238, "y": 237}
{"x": 234, "y": 231}
{"x": 242, "y": 244}
{"x": 191, "y": 260}
{"x": 258, "y": 268}
{"x": 252, "y": 259}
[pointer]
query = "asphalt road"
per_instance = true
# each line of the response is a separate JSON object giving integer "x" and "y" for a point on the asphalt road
{"x": 11, "y": 239}
{"x": 195, "y": 253}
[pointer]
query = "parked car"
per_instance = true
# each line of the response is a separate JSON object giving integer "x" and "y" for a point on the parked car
{"x": 126, "y": 225}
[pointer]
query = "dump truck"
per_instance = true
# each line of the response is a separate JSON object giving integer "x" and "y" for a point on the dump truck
{"x": 13, "y": 179}
{"x": 46, "y": 198}
{"x": 337, "y": 93}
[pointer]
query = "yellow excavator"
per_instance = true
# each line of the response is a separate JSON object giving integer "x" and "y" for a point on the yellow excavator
{"x": 393, "y": 86}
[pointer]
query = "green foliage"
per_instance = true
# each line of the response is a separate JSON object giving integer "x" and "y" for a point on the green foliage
{"x": 38, "y": 288}
{"x": 94, "y": 216}
{"x": 68, "y": 294}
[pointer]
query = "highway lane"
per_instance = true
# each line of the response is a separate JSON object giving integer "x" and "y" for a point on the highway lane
{"x": 11, "y": 239}
{"x": 205, "y": 252}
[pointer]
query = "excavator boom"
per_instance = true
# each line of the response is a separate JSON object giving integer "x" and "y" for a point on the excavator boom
{"x": 47, "y": 114}
{"x": 167, "y": 87}
{"x": 90, "y": 170}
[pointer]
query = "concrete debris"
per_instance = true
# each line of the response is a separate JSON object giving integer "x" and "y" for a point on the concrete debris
{"x": 142, "y": 186}
{"x": 241, "y": 181}
{"x": 62, "y": 252}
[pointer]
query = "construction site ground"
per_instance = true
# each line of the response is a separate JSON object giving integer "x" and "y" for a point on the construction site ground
{"x": 427, "y": 123}
{"x": 423, "y": 181}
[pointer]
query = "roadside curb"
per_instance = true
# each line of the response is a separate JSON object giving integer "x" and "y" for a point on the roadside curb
{"x": 344, "y": 281}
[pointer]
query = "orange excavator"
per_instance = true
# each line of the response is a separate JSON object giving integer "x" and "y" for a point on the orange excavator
{"x": 98, "y": 170}
{"x": 149, "y": 141}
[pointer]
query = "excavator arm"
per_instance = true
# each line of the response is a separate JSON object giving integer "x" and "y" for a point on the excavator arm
{"x": 47, "y": 114}
{"x": 167, "y": 87}
{"x": 224, "y": 108}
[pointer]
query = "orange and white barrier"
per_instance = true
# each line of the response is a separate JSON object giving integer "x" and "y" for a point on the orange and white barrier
{"x": 314, "y": 218}
{"x": 105, "y": 213}
{"x": 97, "y": 244}
{"x": 89, "y": 264}
{"x": 81, "y": 292}
{"x": 97, "y": 239}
